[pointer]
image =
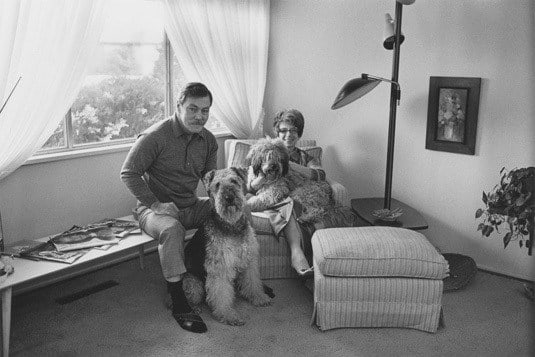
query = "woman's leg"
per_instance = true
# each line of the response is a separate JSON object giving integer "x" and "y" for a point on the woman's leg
{"x": 294, "y": 236}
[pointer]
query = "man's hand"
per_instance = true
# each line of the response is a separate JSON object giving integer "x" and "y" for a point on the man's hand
{"x": 255, "y": 182}
{"x": 167, "y": 208}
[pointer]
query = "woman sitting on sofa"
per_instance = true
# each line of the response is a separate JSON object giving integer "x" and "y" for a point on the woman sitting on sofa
{"x": 288, "y": 125}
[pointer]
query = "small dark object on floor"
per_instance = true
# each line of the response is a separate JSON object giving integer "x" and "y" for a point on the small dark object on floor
{"x": 268, "y": 291}
{"x": 528, "y": 291}
{"x": 86, "y": 292}
{"x": 462, "y": 271}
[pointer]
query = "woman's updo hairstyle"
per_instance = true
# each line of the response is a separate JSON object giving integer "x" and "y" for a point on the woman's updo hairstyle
{"x": 289, "y": 116}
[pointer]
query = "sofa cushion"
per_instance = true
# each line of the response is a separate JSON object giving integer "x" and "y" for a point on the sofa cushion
{"x": 376, "y": 252}
{"x": 314, "y": 151}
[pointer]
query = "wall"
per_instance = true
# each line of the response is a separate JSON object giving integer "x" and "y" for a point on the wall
{"x": 316, "y": 46}
{"x": 43, "y": 199}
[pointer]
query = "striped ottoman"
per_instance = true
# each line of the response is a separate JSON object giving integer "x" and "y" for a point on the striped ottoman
{"x": 376, "y": 277}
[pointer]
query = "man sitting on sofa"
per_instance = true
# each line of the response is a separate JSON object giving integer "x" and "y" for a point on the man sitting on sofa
{"x": 162, "y": 170}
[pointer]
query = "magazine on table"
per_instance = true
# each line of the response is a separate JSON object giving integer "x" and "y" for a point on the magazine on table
{"x": 84, "y": 237}
{"x": 38, "y": 250}
{"x": 121, "y": 228}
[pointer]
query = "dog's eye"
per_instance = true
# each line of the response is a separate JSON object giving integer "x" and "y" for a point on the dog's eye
{"x": 234, "y": 182}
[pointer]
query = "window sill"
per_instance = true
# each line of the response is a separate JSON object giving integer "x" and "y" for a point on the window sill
{"x": 84, "y": 152}
{"x": 74, "y": 154}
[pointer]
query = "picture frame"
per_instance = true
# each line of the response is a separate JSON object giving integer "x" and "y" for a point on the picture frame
{"x": 452, "y": 113}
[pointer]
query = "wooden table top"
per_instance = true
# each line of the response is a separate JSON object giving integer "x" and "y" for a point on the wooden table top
{"x": 410, "y": 219}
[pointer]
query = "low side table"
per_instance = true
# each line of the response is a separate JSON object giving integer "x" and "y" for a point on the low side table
{"x": 410, "y": 219}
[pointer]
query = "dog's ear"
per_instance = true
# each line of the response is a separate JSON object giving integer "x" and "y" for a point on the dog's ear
{"x": 284, "y": 155}
{"x": 285, "y": 163}
{"x": 254, "y": 158}
{"x": 207, "y": 180}
{"x": 241, "y": 172}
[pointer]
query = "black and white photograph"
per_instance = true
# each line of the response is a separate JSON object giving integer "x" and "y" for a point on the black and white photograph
{"x": 267, "y": 178}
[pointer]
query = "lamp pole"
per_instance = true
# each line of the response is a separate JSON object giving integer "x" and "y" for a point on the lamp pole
{"x": 394, "y": 96}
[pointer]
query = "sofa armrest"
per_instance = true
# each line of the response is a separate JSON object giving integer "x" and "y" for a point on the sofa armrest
{"x": 340, "y": 193}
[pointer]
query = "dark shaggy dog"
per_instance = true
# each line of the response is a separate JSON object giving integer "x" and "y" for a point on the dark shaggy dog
{"x": 228, "y": 247}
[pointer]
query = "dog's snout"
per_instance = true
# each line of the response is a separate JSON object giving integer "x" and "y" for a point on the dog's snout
{"x": 229, "y": 198}
{"x": 272, "y": 168}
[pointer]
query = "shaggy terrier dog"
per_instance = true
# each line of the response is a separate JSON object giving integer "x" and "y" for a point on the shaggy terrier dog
{"x": 271, "y": 157}
{"x": 228, "y": 247}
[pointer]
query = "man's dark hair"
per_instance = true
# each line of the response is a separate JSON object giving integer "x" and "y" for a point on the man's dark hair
{"x": 195, "y": 90}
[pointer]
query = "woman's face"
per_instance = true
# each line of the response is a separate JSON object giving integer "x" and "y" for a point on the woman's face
{"x": 288, "y": 133}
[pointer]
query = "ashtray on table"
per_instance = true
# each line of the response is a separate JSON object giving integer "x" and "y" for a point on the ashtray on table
{"x": 388, "y": 215}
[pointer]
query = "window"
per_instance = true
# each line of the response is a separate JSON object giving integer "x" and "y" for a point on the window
{"x": 129, "y": 84}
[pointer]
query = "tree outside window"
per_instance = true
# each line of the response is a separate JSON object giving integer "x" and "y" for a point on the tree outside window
{"x": 125, "y": 89}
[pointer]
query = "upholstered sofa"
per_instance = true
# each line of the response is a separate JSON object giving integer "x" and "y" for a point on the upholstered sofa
{"x": 274, "y": 252}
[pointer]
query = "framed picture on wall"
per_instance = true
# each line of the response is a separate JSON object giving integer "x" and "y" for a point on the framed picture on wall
{"x": 452, "y": 114}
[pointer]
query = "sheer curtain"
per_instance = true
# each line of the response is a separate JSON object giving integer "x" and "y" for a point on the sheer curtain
{"x": 224, "y": 44}
{"x": 48, "y": 44}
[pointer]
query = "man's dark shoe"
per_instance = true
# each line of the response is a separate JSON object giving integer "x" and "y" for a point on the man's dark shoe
{"x": 190, "y": 321}
{"x": 268, "y": 291}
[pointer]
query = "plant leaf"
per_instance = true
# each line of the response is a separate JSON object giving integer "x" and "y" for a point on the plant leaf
{"x": 487, "y": 230}
{"x": 520, "y": 243}
{"x": 506, "y": 239}
{"x": 479, "y": 212}
{"x": 485, "y": 200}
{"x": 480, "y": 226}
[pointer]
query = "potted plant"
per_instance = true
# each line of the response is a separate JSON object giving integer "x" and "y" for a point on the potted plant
{"x": 511, "y": 202}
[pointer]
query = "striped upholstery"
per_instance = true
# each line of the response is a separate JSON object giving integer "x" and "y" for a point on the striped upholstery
{"x": 377, "y": 251}
{"x": 384, "y": 298}
{"x": 274, "y": 253}
{"x": 274, "y": 257}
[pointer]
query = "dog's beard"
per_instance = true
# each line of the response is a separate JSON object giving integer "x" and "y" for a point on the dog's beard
{"x": 229, "y": 212}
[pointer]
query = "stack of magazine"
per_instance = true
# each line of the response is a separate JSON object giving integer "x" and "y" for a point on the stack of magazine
{"x": 69, "y": 246}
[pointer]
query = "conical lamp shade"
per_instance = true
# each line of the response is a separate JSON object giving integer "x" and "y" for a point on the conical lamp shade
{"x": 390, "y": 33}
{"x": 353, "y": 90}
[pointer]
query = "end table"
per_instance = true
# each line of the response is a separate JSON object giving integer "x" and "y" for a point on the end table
{"x": 410, "y": 219}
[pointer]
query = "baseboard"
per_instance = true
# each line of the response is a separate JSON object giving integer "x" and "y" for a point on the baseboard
{"x": 45, "y": 281}
{"x": 490, "y": 270}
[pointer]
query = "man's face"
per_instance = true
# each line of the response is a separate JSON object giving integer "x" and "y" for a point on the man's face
{"x": 194, "y": 113}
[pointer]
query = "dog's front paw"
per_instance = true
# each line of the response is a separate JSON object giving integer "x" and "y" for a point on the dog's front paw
{"x": 232, "y": 319}
{"x": 261, "y": 300}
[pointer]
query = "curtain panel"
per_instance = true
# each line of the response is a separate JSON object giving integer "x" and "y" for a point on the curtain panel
{"x": 224, "y": 44}
{"x": 49, "y": 44}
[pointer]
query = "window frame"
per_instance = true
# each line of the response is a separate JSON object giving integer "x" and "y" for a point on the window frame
{"x": 67, "y": 119}
{"x": 71, "y": 150}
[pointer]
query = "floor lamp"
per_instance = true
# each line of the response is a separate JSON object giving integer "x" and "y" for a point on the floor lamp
{"x": 357, "y": 87}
